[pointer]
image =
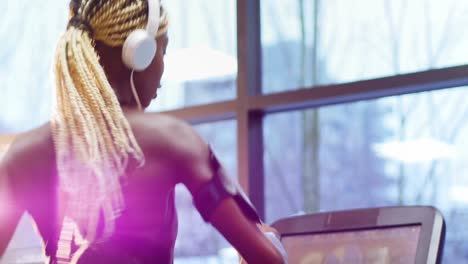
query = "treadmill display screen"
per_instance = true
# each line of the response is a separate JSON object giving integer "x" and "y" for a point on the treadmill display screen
{"x": 376, "y": 246}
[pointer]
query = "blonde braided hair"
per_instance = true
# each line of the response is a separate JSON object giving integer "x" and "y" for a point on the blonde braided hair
{"x": 93, "y": 139}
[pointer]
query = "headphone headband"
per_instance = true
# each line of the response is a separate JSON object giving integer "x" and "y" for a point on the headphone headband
{"x": 140, "y": 46}
{"x": 153, "y": 17}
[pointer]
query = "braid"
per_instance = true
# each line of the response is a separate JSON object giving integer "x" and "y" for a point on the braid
{"x": 93, "y": 139}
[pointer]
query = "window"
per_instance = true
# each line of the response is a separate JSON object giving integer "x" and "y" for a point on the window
{"x": 402, "y": 150}
{"x": 348, "y": 95}
{"x": 29, "y": 32}
{"x": 307, "y": 43}
{"x": 201, "y": 64}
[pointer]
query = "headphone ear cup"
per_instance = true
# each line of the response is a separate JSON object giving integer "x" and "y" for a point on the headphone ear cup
{"x": 139, "y": 50}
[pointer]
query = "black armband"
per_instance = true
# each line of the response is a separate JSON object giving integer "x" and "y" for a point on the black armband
{"x": 221, "y": 187}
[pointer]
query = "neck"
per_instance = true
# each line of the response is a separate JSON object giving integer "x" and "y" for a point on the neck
{"x": 124, "y": 92}
{"x": 131, "y": 109}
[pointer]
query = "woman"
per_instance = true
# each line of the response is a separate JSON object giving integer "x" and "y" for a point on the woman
{"x": 99, "y": 178}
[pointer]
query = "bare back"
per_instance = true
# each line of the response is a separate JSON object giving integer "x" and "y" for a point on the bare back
{"x": 149, "y": 221}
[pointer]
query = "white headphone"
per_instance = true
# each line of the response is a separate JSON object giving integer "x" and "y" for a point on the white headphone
{"x": 140, "y": 46}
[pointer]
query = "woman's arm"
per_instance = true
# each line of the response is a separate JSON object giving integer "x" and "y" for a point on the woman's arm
{"x": 24, "y": 185}
{"x": 193, "y": 161}
{"x": 274, "y": 237}
{"x": 244, "y": 234}
{"x": 10, "y": 213}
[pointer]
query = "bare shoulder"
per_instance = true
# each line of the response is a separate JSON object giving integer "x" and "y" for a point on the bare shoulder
{"x": 30, "y": 156}
{"x": 31, "y": 142}
{"x": 164, "y": 131}
{"x": 177, "y": 142}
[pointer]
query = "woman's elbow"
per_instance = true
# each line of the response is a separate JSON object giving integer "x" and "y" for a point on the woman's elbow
{"x": 273, "y": 256}
{"x": 279, "y": 254}
{"x": 276, "y": 259}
